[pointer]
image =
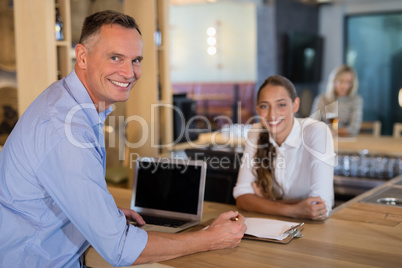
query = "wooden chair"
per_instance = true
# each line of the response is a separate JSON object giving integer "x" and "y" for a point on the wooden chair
{"x": 371, "y": 128}
{"x": 397, "y": 133}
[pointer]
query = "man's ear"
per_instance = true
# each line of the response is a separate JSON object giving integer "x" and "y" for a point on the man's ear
{"x": 81, "y": 56}
{"x": 296, "y": 105}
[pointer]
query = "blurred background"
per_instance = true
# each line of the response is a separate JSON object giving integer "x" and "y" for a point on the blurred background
{"x": 207, "y": 58}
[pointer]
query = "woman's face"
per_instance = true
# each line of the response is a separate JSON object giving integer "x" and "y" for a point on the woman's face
{"x": 343, "y": 84}
{"x": 276, "y": 109}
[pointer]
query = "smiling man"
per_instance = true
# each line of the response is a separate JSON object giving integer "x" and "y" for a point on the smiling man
{"x": 54, "y": 201}
{"x": 109, "y": 63}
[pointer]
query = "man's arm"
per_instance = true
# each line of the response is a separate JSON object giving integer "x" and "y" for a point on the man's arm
{"x": 222, "y": 233}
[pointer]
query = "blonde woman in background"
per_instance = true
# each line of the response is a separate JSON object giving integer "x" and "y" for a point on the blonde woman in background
{"x": 342, "y": 87}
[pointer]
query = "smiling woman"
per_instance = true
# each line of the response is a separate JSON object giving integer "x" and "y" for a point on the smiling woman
{"x": 287, "y": 166}
{"x": 276, "y": 105}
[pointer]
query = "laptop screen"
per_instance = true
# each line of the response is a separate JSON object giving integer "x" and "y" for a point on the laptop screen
{"x": 172, "y": 185}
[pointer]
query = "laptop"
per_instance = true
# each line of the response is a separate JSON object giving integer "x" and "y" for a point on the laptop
{"x": 169, "y": 193}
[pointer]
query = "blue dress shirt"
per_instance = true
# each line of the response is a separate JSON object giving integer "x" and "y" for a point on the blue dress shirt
{"x": 54, "y": 202}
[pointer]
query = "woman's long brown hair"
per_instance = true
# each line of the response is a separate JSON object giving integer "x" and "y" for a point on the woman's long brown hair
{"x": 266, "y": 153}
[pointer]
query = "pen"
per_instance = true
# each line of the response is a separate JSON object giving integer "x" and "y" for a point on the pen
{"x": 293, "y": 229}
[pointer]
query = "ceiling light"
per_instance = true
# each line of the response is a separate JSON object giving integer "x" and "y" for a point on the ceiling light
{"x": 211, "y": 31}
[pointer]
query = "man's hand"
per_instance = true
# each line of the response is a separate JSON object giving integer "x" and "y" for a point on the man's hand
{"x": 131, "y": 215}
{"x": 227, "y": 232}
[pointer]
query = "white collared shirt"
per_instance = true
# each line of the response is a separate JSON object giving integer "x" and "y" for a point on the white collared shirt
{"x": 304, "y": 163}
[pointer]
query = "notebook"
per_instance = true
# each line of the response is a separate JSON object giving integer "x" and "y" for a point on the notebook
{"x": 169, "y": 189}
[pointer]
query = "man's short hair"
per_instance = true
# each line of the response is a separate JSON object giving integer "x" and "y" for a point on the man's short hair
{"x": 93, "y": 23}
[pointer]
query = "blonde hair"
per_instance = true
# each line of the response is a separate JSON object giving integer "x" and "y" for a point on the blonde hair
{"x": 330, "y": 94}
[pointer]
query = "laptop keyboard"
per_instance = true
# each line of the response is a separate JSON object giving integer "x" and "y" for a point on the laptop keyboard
{"x": 163, "y": 221}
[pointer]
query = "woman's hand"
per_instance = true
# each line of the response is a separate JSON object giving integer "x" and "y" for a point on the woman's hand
{"x": 311, "y": 208}
{"x": 258, "y": 191}
{"x": 343, "y": 132}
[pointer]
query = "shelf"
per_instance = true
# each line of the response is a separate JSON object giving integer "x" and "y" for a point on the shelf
{"x": 154, "y": 87}
{"x": 64, "y": 60}
{"x": 164, "y": 102}
{"x": 161, "y": 48}
{"x": 63, "y": 43}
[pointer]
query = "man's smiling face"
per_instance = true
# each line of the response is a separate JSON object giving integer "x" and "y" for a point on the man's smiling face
{"x": 112, "y": 64}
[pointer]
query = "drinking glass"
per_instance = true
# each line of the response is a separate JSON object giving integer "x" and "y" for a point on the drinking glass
{"x": 354, "y": 165}
{"x": 346, "y": 165}
{"x": 331, "y": 117}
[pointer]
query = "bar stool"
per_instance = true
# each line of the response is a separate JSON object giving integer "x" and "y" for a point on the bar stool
{"x": 371, "y": 127}
{"x": 397, "y": 133}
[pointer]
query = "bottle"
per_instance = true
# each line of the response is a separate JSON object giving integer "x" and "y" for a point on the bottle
{"x": 158, "y": 36}
{"x": 59, "y": 26}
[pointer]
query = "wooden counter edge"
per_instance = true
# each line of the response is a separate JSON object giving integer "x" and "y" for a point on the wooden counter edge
{"x": 366, "y": 194}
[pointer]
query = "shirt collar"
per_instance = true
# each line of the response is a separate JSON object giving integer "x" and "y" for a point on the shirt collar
{"x": 294, "y": 137}
{"x": 346, "y": 97}
{"x": 103, "y": 115}
{"x": 81, "y": 95}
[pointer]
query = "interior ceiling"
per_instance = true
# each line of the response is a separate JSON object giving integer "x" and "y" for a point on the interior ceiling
{"x": 189, "y": 2}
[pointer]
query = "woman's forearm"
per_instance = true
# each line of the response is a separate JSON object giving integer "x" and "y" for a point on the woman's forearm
{"x": 254, "y": 203}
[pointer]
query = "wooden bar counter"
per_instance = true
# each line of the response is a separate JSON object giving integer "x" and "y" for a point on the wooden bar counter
{"x": 386, "y": 145}
{"x": 356, "y": 234}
